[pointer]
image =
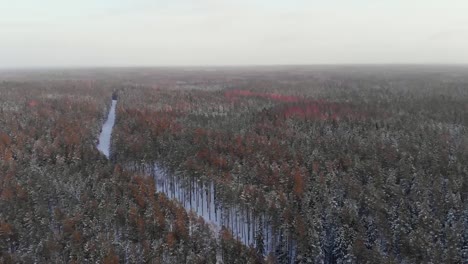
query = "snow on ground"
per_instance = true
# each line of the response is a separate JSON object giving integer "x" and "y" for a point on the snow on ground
{"x": 106, "y": 132}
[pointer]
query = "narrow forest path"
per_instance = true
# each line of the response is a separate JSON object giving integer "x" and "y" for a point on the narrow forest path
{"x": 106, "y": 131}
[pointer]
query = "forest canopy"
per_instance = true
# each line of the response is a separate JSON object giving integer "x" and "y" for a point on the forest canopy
{"x": 342, "y": 164}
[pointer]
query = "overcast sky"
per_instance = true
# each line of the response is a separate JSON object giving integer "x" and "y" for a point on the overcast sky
{"x": 48, "y": 33}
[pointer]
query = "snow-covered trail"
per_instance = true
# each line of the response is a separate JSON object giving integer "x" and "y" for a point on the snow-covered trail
{"x": 240, "y": 220}
{"x": 106, "y": 132}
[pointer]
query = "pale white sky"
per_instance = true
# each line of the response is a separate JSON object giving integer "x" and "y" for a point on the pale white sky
{"x": 49, "y": 33}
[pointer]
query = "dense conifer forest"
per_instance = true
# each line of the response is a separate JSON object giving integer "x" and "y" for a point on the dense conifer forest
{"x": 330, "y": 164}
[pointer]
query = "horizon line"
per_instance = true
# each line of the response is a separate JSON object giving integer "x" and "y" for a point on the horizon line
{"x": 84, "y": 67}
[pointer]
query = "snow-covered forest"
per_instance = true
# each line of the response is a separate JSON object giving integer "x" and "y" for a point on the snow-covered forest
{"x": 235, "y": 165}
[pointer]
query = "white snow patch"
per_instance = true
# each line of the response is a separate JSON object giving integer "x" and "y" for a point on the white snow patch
{"x": 106, "y": 132}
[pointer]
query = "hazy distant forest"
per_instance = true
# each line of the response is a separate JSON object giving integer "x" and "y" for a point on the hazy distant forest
{"x": 346, "y": 164}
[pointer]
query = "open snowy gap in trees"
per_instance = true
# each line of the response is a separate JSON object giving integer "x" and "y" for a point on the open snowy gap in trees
{"x": 249, "y": 228}
{"x": 106, "y": 132}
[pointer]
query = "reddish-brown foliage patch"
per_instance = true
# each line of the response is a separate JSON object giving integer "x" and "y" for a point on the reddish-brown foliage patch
{"x": 33, "y": 103}
{"x": 300, "y": 107}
